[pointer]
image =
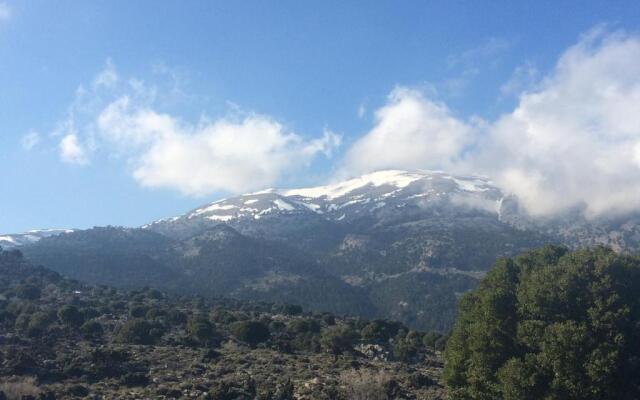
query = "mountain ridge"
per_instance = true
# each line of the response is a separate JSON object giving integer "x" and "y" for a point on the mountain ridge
{"x": 394, "y": 244}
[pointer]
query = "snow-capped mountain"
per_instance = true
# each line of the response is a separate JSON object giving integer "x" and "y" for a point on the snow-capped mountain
{"x": 391, "y": 244}
{"x": 8, "y": 241}
{"x": 378, "y": 192}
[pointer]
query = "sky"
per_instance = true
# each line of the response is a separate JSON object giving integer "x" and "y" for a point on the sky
{"x": 121, "y": 113}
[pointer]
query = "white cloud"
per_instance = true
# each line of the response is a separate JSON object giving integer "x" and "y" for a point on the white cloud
{"x": 574, "y": 140}
{"x": 71, "y": 151}
{"x": 411, "y": 131}
{"x": 489, "y": 49}
{"x": 237, "y": 152}
{"x": 523, "y": 77}
{"x": 108, "y": 77}
{"x": 5, "y": 12}
{"x": 30, "y": 140}
{"x": 231, "y": 154}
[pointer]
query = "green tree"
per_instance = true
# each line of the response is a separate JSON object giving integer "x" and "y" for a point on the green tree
{"x": 70, "y": 316}
{"x": 138, "y": 331}
{"x": 430, "y": 339}
{"x": 202, "y": 331}
{"x": 28, "y": 292}
{"x": 251, "y": 332}
{"x": 407, "y": 346}
{"x": 92, "y": 329}
{"x": 549, "y": 324}
{"x": 380, "y": 330}
{"x": 338, "y": 339}
{"x": 38, "y": 324}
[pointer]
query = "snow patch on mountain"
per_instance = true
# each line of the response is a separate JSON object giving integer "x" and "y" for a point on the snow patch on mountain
{"x": 9, "y": 241}
{"x": 370, "y": 193}
{"x": 397, "y": 178}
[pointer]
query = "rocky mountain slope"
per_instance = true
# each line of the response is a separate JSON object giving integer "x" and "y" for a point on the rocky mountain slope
{"x": 394, "y": 244}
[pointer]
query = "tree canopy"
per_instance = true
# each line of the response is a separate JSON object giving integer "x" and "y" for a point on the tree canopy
{"x": 549, "y": 324}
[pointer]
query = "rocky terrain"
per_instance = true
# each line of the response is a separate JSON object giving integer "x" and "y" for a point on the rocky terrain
{"x": 62, "y": 339}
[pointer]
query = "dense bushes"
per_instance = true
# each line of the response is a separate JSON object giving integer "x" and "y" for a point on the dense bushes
{"x": 92, "y": 329}
{"x": 202, "y": 331}
{"x": 338, "y": 339}
{"x": 70, "y": 315}
{"x": 138, "y": 331}
{"x": 251, "y": 332}
{"x": 28, "y": 292}
{"x": 549, "y": 324}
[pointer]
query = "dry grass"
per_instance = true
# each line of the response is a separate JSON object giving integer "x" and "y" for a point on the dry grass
{"x": 365, "y": 384}
{"x": 15, "y": 388}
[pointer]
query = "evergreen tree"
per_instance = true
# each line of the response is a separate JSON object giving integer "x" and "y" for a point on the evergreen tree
{"x": 549, "y": 324}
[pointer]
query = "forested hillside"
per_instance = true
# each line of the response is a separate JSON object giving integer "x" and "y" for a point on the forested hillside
{"x": 549, "y": 324}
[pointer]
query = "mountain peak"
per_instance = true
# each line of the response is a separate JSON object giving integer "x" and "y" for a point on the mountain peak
{"x": 390, "y": 190}
{"x": 397, "y": 178}
{"x": 393, "y": 178}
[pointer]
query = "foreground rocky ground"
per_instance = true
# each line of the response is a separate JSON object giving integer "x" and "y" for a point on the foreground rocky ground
{"x": 60, "y": 339}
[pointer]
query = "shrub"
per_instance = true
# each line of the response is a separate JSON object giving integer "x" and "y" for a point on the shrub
{"x": 202, "y": 331}
{"x": 138, "y": 331}
{"x": 22, "y": 322}
{"x": 28, "y": 292}
{"x": 380, "y": 330}
{"x": 406, "y": 347}
{"x": 78, "y": 391}
{"x": 138, "y": 311}
{"x": 155, "y": 313}
{"x": 251, "y": 332}
{"x": 338, "y": 339}
{"x": 176, "y": 317}
{"x": 303, "y": 326}
{"x": 328, "y": 319}
{"x": 430, "y": 339}
{"x": 368, "y": 385}
{"x": 92, "y": 329}
{"x": 70, "y": 315}
{"x": 223, "y": 316}
{"x": 135, "y": 379}
{"x": 154, "y": 294}
{"x": 38, "y": 324}
{"x": 441, "y": 343}
{"x": 289, "y": 309}
{"x": 90, "y": 313}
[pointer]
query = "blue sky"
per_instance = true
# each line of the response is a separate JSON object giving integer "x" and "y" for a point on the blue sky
{"x": 310, "y": 89}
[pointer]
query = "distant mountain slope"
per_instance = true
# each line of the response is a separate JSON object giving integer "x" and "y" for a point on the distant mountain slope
{"x": 217, "y": 262}
{"x": 121, "y": 257}
{"x": 394, "y": 244}
{"x": 9, "y": 241}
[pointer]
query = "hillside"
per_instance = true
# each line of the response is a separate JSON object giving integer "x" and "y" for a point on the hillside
{"x": 63, "y": 339}
{"x": 392, "y": 244}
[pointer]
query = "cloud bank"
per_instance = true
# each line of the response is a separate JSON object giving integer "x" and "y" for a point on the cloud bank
{"x": 237, "y": 152}
{"x": 411, "y": 131}
{"x": 231, "y": 154}
{"x": 572, "y": 140}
